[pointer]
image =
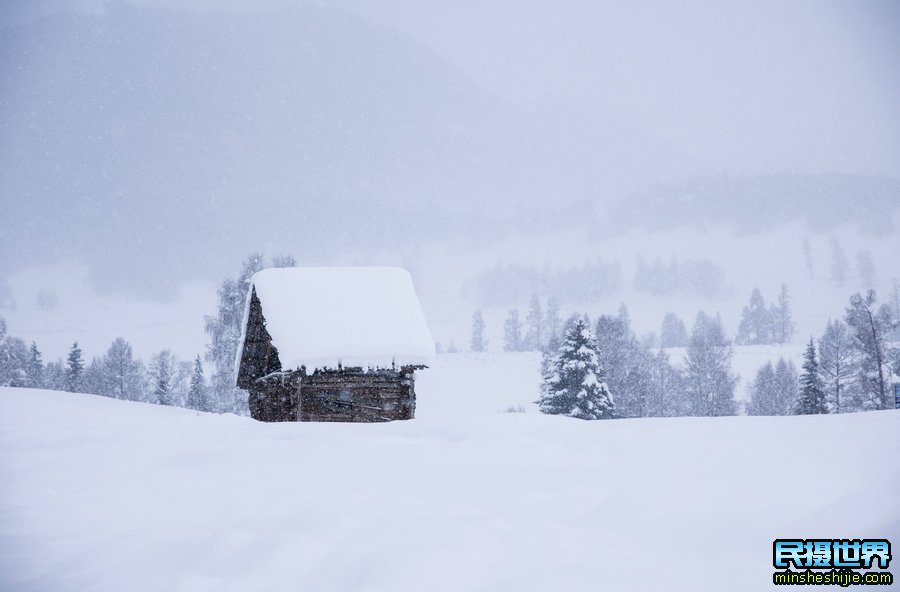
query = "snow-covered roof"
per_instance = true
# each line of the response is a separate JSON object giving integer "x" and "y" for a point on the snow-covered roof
{"x": 320, "y": 317}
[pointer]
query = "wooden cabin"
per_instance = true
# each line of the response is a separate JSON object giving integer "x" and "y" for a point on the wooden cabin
{"x": 332, "y": 344}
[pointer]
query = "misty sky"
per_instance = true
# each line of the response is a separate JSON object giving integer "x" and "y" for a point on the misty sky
{"x": 736, "y": 87}
{"x": 473, "y": 117}
{"x": 718, "y": 81}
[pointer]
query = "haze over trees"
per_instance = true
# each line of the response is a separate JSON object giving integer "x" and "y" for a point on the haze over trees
{"x": 672, "y": 332}
{"x": 478, "y": 342}
{"x": 762, "y": 325}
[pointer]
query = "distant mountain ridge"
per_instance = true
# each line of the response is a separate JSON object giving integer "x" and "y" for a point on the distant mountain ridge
{"x": 177, "y": 141}
{"x": 753, "y": 204}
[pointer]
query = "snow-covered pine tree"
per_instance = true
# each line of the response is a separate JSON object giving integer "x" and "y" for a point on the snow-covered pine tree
{"x": 74, "y": 369}
{"x": 34, "y": 369}
{"x": 672, "y": 333}
{"x": 868, "y": 328}
{"x": 573, "y": 384}
{"x": 13, "y": 359}
{"x": 479, "y": 342}
{"x": 55, "y": 376}
{"x": 161, "y": 372}
{"x": 534, "y": 325}
{"x": 198, "y": 394}
{"x": 837, "y": 366}
{"x": 512, "y": 331}
{"x": 812, "y": 395}
{"x": 709, "y": 382}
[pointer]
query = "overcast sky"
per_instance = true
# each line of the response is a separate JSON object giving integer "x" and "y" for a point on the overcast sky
{"x": 737, "y": 87}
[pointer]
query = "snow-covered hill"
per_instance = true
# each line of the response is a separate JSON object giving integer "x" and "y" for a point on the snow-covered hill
{"x": 99, "y": 494}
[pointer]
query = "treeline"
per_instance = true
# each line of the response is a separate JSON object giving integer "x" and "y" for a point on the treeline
{"x": 601, "y": 369}
{"x": 117, "y": 374}
{"x": 701, "y": 278}
{"x": 756, "y": 204}
{"x": 165, "y": 380}
{"x": 761, "y": 324}
{"x": 606, "y": 372}
{"x": 850, "y": 371}
{"x": 505, "y": 284}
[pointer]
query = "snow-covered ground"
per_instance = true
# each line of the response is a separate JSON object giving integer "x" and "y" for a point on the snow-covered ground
{"x": 99, "y": 494}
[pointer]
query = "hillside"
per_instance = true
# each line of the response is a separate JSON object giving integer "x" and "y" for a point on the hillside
{"x": 310, "y": 131}
{"x": 759, "y": 203}
{"x": 108, "y": 495}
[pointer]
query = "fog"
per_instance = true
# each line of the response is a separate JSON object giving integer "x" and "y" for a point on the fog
{"x": 160, "y": 143}
{"x": 148, "y": 147}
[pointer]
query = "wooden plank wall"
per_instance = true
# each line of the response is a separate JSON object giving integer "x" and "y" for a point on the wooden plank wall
{"x": 345, "y": 396}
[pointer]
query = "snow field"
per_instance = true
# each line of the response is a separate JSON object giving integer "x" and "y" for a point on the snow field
{"x": 99, "y": 494}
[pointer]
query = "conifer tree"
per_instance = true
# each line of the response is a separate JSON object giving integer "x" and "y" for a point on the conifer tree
{"x": 35, "y": 367}
{"x": 756, "y": 322}
{"x": 74, "y": 369}
{"x": 13, "y": 359}
{"x": 573, "y": 383}
{"x": 198, "y": 394}
{"x": 812, "y": 395}
{"x": 534, "y": 325}
{"x": 161, "y": 371}
{"x": 479, "y": 342}
{"x": 512, "y": 332}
